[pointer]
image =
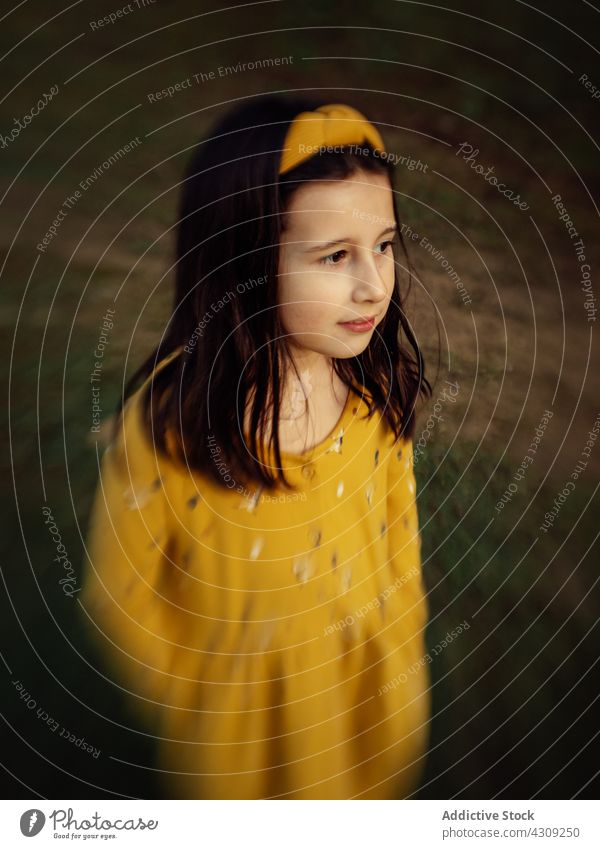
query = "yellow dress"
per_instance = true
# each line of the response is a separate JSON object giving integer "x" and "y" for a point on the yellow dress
{"x": 274, "y": 643}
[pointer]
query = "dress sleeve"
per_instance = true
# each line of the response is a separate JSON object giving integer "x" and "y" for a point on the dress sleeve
{"x": 130, "y": 545}
{"x": 404, "y": 536}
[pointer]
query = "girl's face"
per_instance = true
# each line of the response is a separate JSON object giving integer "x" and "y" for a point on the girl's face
{"x": 336, "y": 264}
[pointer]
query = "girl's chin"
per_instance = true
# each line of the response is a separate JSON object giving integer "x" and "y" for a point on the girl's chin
{"x": 342, "y": 345}
{"x": 351, "y": 348}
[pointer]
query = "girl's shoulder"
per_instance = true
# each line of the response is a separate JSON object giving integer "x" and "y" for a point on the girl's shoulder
{"x": 378, "y": 421}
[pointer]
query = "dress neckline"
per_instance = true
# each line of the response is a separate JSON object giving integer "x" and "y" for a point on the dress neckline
{"x": 333, "y": 433}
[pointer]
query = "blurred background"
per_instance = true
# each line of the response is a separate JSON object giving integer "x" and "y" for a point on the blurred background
{"x": 501, "y": 287}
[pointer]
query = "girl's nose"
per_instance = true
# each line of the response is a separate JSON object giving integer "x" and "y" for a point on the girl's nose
{"x": 371, "y": 277}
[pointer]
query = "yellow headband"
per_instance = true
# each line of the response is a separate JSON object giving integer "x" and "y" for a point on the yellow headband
{"x": 326, "y": 127}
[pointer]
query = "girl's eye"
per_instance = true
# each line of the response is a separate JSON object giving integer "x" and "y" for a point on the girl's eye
{"x": 333, "y": 259}
{"x": 385, "y": 245}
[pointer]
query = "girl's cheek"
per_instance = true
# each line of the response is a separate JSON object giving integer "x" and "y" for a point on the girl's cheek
{"x": 305, "y": 314}
{"x": 312, "y": 295}
{"x": 314, "y": 288}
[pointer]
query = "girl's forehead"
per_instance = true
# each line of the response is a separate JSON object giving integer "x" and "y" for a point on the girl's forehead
{"x": 356, "y": 202}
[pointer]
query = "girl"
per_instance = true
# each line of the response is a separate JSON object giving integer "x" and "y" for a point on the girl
{"x": 254, "y": 546}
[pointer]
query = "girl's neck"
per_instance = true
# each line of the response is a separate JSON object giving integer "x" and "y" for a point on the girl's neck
{"x": 315, "y": 383}
{"x": 312, "y": 403}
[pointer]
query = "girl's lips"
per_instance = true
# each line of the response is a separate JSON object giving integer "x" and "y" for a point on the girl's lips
{"x": 360, "y": 325}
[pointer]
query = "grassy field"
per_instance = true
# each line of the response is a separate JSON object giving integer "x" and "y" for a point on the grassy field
{"x": 514, "y": 695}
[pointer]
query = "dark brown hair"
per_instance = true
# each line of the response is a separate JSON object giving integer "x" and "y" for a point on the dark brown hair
{"x": 228, "y": 233}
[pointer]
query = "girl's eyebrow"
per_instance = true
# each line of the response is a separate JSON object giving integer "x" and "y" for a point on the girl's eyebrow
{"x": 342, "y": 240}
